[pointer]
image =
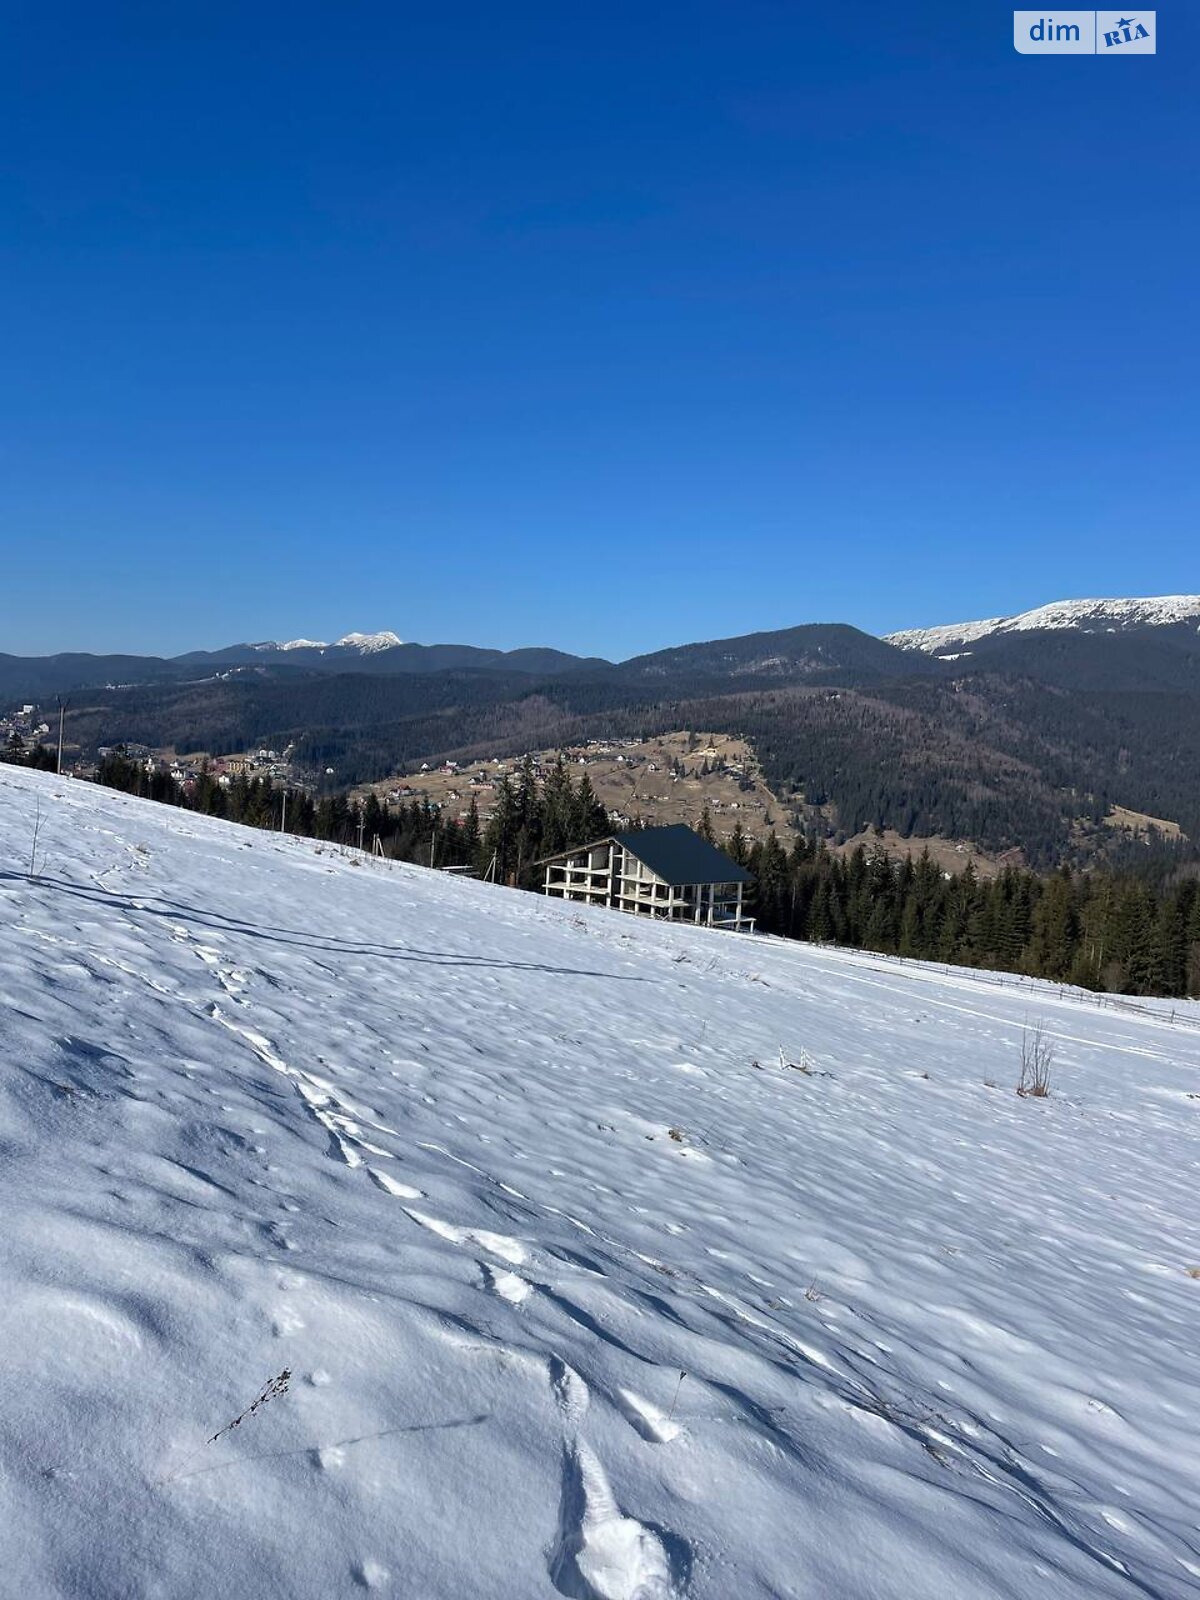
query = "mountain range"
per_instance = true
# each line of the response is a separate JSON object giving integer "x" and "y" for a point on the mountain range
{"x": 1016, "y": 733}
{"x": 810, "y": 649}
{"x": 384, "y": 653}
{"x": 1106, "y": 617}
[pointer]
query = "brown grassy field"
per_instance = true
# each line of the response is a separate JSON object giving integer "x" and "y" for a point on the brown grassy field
{"x": 660, "y": 780}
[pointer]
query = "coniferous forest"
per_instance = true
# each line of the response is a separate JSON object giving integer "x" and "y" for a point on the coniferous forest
{"x": 1126, "y": 933}
{"x": 1132, "y": 932}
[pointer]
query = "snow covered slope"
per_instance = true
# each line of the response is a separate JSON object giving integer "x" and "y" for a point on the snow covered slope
{"x": 1083, "y": 616}
{"x": 484, "y": 1174}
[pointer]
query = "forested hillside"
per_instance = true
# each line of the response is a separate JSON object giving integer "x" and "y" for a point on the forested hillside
{"x": 1130, "y": 932}
{"x": 1024, "y": 744}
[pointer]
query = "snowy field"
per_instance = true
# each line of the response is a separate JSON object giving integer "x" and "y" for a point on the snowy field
{"x": 484, "y": 1174}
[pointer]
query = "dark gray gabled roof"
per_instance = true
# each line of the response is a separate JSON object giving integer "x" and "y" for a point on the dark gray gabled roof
{"x": 678, "y": 856}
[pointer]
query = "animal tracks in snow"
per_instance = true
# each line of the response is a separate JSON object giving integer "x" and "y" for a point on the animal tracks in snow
{"x": 341, "y": 1122}
{"x": 231, "y": 979}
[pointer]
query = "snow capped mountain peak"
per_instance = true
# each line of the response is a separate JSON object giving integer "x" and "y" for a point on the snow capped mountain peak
{"x": 931, "y": 640}
{"x": 368, "y": 643}
{"x": 365, "y": 644}
{"x": 1081, "y": 616}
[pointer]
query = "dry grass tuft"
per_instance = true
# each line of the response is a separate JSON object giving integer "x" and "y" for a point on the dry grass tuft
{"x": 273, "y": 1389}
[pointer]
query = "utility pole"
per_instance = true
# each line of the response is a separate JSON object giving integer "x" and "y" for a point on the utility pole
{"x": 62, "y": 713}
{"x": 362, "y": 825}
{"x": 432, "y": 843}
{"x": 283, "y": 814}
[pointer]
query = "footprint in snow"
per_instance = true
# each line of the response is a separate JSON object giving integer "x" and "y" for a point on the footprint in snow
{"x": 571, "y": 1393}
{"x": 402, "y": 1191}
{"x": 645, "y": 1418}
{"x": 494, "y": 1244}
{"x": 509, "y": 1286}
{"x": 601, "y": 1553}
{"x": 370, "y": 1574}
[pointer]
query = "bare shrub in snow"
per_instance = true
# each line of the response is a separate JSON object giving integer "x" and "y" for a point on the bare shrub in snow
{"x": 1037, "y": 1059}
{"x": 804, "y": 1065}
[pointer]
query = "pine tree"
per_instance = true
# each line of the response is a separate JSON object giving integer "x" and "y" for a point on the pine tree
{"x": 500, "y": 837}
{"x": 557, "y": 809}
{"x": 374, "y": 820}
{"x": 770, "y": 866}
{"x": 1193, "y": 946}
{"x": 820, "y": 917}
{"x": 1169, "y": 962}
{"x": 472, "y": 839}
{"x": 1055, "y": 929}
{"x": 589, "y": 818}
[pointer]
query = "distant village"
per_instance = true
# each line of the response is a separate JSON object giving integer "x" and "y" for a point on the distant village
{"x": 28, "y": 725}
{"x": 24, "y": 725}
{"x": 273, "y": 765}
{"x": 662, "y": 779}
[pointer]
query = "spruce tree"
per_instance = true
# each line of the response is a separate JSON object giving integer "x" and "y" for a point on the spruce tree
{"x": 472, "y": 839}
{"x": 589, "y": 818}
{"x": 1055, "y": 928}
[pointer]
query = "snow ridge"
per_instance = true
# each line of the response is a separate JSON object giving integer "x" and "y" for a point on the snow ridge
{"x": 1084, "y": 616}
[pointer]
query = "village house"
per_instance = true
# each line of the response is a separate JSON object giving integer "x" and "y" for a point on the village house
{"x": 670, "y": 873}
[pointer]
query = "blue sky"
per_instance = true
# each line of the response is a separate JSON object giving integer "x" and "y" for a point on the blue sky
{"x": 602, "y": 327}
